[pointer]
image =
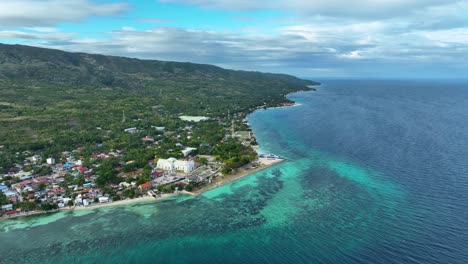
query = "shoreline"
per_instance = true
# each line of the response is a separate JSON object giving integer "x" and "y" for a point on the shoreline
{"x": 241, "y": 173}
{"x": 262, "y": 163}
{"x": 220, "y": 181}
{"x": 95, "y": 206}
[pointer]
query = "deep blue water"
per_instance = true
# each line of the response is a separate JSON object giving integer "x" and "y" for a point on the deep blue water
{"x": 377, "y": 172}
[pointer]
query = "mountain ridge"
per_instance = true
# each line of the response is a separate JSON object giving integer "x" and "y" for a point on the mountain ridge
{"x": 104, "y": 70}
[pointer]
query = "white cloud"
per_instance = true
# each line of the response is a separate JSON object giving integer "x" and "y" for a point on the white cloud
{"x": 446, "y": 38}
{"x": 334, "y": 8}
{"x": 38, "y": 36}
{"x": 128, "y": 28}
{"x": 42, "y": 29}
{"x": 298, "y": 47}
{"x": 338, "y": 38}
{"x": 37, "y": 13}
{"x": 355, "y": 54}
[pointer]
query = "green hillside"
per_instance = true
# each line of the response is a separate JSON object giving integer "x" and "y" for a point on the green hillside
{"x": 50, "y": 99}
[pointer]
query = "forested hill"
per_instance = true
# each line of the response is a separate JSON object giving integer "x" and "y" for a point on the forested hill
{"x": 45, "y": 93}
{"x": 32, "y": 64}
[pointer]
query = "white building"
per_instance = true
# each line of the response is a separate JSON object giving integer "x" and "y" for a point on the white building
{"x": 103, "y": 199}
{"x": 131, "y": 130}
{"x": 36, "y": 158}
{"x": 187, "y": 151}
{"x": 50, "y": 161}
{"x": 166, "y": 164}
{"x": 186, "y": 165}
{"x": 171, "y": 164}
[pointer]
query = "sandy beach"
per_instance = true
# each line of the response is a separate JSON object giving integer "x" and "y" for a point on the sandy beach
{"x": 122, "y": 202}
{"x": 240, "y": 173}
{"x": 98, "y": 205}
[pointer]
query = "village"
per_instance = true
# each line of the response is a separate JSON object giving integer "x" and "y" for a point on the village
{"x": 76, "y": 180}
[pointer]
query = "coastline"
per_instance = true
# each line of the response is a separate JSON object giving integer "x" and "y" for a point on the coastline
{"x": 240, "y": 173}
{"x": 249, "y": 169}
{"x": 95, "y": 206}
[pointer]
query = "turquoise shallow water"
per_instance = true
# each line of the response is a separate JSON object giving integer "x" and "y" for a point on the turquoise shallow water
{"x": 376, "y": 173}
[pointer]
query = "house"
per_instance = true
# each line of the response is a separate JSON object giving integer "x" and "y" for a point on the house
{"x": 82, "y": 169}
{"x": 3, "y": 188}
{"x": 147, "y": 139}
{"x": 131, "y": 130}
{"x": 124, "y": 184}
{"x": 187, "y": 151}
{"x": 10, "y": 194}
{"x": 145, "y": 186}
{"x": 66, "y": 200}
{"x": 11, "y": 212}
{"x": 156, "y": 174}
{"x": 7, "y": 207}
{"x": 41, "y": 179}
{"x": 36, "y": 158}
{"x": 22, "y": 175}
{"x": 50, "y": 161}
{"x": 102, "y": 155}
{"x": 103, "y": 199}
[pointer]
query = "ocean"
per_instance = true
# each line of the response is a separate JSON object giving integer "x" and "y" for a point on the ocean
{"x": 376, "y": 172}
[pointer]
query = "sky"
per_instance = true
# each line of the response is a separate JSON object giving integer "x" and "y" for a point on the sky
{"x": 306, "y": 38}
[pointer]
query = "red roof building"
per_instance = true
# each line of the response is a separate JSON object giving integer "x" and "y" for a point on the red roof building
{"x": 145, "y": 186}
{"x": 11, "y": 212}
{"x": 157, "y": 174}
{"x": 82, "y": 169}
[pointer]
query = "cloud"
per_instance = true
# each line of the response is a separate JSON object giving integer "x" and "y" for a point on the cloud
{"x": 355, "y": 54}
{"x": 360, "y": 48}
{"x": 334, "y": 8}
{"x": 37, "y": 36}
{"x": 37, "y": 13}
{"x": 42, "y": 29}
{"x": 367, "y": 37}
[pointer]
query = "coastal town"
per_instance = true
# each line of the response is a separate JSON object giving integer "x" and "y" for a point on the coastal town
{"x": 81, "y": 178}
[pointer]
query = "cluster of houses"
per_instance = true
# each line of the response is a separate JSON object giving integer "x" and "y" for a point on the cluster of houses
{"x": 52, "y": 188}
{"x": 28, "y": 187}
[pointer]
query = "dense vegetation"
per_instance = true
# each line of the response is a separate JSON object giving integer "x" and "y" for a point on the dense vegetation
{"x": 52, "y": 101}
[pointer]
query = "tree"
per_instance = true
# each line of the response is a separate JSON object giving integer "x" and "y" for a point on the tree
{"x": 27, "y": 206}
{"x": 3, "y": 199}
{"x": 42, "y": 186}
{"x": 68, "y": 178}
{"x": 80, "y": 180}
{"x": 48, "y": 206}
{"x": 189, "y": 188}
{"x": 226, "y": 170}
{"x": 202, "y": 160}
